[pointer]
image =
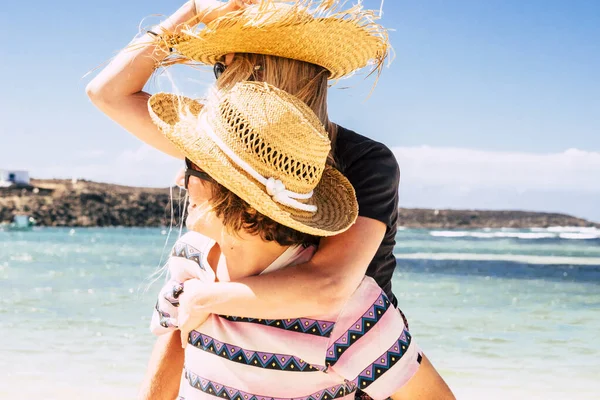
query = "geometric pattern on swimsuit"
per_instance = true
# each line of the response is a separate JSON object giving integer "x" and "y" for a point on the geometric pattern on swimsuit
{"x": 304, "y": 325}
{"x": 280, "y": 362}
{"x": 165, "y": 318}
{"x": 385, "y": 362}
{"x": 225, "y": 392}
{"x": 172, "y": 294}
{"x": 358, "y": 330}
{"x": 184, "y": 250}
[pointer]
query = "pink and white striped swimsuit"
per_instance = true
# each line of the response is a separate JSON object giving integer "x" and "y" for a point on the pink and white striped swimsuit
{"x": 365, "y": 346}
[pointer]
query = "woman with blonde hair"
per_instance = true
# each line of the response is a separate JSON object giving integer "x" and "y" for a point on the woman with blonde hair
{"x": 297, "y": 51}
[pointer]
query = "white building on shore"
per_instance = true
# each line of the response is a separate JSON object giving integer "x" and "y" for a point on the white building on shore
{"x": 11, "y": 177}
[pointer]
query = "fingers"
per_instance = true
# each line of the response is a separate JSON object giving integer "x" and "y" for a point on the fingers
{"x": 184, "y": 339}
{"x": 171, "y": 292}
{"x": 183, "y": 328}
{"x": 187, "y": 323}
{"x": 183, "y": 318}
{"x": 244, "y": 3}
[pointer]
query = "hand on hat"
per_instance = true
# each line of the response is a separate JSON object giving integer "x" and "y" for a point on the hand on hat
{"x": 209, "y": 10}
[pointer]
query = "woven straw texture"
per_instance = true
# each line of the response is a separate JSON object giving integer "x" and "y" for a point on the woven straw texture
{"x": 278, "y": 136}
{"x": 342, "y": 41}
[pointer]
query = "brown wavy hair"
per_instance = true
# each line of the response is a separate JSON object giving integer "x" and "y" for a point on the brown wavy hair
{"x": 237, "y": 215}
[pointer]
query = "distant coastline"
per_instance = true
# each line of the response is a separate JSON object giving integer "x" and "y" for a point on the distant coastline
{"x": 90, "y": 204}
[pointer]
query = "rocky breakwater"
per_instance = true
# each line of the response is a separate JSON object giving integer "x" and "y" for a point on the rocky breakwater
{"x": 476, "y": 219}
{"x": 85, "y": 204}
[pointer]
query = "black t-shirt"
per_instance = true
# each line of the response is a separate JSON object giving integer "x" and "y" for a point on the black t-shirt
{"x": 373, "y": 171}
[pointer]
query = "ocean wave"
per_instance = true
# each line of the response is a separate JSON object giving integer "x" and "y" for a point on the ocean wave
{"x": 572, "y": 229}
{"x": 579, "y": 236}
{"x": 21, "y": 257}
{"x": 448, "y": 234}
{"x": 518, "y": 258}
{"x": 494, "y": 235}
{"x": 538, "y": 234}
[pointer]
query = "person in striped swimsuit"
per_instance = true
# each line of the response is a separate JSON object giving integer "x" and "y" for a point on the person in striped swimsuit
{"x": 253, "y": 211}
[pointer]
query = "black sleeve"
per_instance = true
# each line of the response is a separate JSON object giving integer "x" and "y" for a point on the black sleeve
{"x": 375, "y": 176}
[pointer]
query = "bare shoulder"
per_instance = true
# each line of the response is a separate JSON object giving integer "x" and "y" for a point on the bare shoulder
{"x": 195, "y": 238}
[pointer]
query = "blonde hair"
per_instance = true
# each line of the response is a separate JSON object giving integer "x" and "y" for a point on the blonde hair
{"x": 306, "y": 81}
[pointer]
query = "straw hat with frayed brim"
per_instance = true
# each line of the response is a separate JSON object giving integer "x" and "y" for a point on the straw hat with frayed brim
{"x": 268, "y": 148}
{"x": 342, "y": 41}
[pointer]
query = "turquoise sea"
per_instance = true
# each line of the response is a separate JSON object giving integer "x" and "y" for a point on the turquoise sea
{"x": 501, "y": 313}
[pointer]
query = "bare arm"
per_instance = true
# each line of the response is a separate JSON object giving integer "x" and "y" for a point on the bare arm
{"x": 335, "y": 271}
{"x": 426, "y": 384}
{"x": 164, "y": 369}
{"x": 118, "y": 89}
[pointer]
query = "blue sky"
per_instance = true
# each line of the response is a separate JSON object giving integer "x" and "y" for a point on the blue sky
{"x": 483, "y": 104}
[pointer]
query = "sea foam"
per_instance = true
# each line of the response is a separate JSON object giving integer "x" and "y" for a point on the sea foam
{"x": 535, "y": 233}
{"x": 518, "y": 258}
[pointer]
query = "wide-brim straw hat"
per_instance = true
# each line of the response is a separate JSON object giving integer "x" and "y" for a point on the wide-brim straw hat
{"x": 277, "y": 136}
{"x": 317, "y": 32}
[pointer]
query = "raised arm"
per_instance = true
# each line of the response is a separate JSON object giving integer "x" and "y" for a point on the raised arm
{"x": 118, "y": 89}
